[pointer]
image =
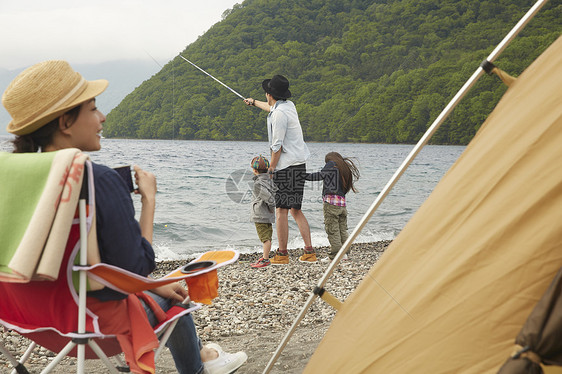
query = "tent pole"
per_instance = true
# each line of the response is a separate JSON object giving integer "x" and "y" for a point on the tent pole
{"x": 396, "y": 176}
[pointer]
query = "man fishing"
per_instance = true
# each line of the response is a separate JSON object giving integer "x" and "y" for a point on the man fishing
{"x": 288, "y": 164}
{"x": 288, "y": 161}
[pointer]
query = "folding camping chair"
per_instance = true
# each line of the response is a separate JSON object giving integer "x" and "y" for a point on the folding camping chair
{"x": 43, "y": 289}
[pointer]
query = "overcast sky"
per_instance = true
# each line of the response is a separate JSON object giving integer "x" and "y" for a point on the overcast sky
{"x": 102, "y": 30}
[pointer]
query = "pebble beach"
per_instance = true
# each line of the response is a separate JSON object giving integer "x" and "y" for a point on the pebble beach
{"x": 253, "y": 312}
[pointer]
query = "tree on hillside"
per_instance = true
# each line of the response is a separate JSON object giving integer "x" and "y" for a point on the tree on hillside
{"x": 360, "y": 71}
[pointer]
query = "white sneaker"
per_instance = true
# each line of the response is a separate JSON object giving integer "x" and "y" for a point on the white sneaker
{"x": 226, "y": 362}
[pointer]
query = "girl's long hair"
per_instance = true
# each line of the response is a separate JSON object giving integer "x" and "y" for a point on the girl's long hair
{"x": 347, "y": 168}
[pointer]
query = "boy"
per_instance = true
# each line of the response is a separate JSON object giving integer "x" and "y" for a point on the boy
{"x": 262, "y": 211}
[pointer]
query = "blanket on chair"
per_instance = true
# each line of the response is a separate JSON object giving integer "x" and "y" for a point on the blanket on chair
{"x": 38, "y": 198}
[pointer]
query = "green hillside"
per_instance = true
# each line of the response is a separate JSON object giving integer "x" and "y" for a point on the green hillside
{"x": 360, "y": 71}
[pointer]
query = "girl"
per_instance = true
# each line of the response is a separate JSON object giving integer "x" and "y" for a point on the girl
{"x": 338, "y": 176}
{"x": 52, "y": 108}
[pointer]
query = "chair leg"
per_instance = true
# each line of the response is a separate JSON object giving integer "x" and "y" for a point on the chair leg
{"x": 101, "y": 354}
{"x": 20, "y": 369}
{"x": 28, "y": 352}
{"x": 18, "y": 366}
{"x": 80, "y": 365}
{"x": 164, "y": 338}
{"x": 62, "y": 354}
{"x": 80, "y": 357}
{"x": 121, "y": 366}
{"x": 23, "y": 359}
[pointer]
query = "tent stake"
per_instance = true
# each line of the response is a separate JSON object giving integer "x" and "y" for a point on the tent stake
{"x": 394, "y": 179}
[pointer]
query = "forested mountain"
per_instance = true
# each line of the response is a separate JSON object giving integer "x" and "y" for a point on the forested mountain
{"x": 360, "y": 71}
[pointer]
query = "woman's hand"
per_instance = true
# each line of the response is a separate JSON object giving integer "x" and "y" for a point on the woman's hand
{"x": 173, "y": 291}
{"x": 146, "y": 182}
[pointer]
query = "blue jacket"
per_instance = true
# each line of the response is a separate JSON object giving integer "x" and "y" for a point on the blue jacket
{"x": 330, "y": 175}
{"x": 119, "y": 236}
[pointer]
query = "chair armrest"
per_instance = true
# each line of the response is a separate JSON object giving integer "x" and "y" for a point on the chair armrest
{"x": 127, "y": 282}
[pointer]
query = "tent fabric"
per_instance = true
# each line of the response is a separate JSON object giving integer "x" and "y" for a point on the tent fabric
{"x": 539, "y": 339}
{"x": 454, "y": 288}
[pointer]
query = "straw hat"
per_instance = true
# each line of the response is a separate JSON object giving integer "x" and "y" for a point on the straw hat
{"x": 43, "y": 92}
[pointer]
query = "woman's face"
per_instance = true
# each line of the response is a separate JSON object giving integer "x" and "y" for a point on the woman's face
{"x": 85, "y": 132}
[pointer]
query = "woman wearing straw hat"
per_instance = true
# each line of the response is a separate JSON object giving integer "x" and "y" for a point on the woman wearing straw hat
{"x": 53, "y": 107}
{"x": 288, "y": 164}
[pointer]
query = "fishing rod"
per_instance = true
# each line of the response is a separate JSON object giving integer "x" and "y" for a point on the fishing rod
{"x": 234, "y": 92}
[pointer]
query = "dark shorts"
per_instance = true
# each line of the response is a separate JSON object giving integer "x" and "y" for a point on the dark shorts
{"x": 290, "y": 186}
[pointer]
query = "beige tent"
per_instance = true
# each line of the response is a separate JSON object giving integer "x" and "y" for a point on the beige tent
{"x": 454, "y": 288}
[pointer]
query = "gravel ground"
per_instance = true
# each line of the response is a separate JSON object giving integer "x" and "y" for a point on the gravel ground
{"x": 254, "y": 311}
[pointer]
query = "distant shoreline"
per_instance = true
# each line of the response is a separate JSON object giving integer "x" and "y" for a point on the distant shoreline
{"x": 7, "y": 136}
{"x": 246, "y": 256}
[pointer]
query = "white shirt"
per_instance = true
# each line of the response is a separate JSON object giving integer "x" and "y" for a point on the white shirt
{"x": 284, "y": 130}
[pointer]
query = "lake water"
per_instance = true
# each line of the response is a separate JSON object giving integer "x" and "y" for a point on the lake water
{"x": 204, "y": 190}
